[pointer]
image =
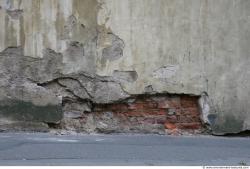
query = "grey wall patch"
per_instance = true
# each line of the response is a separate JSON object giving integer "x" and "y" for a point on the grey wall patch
{"x": 15, "y": 14}
{"x": 165, "y": 72}
{"x": 227, "y": 124}
{"x": 125, "y": 76}
{"x": 149, "y": 89}
{"x": 105, "y": 92}
{"x": 115, "y": 50}
{"x": 71, "y": 23}
{"x": 79, "y": 57}
{"x": 75, "y": 87}
{"x": 74, "y": 50}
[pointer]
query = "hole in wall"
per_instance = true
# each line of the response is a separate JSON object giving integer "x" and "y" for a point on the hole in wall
{"x": 151, "y": 113}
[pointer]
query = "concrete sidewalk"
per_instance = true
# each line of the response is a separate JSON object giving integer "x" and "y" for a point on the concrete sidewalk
{"x": 48, "y": 149}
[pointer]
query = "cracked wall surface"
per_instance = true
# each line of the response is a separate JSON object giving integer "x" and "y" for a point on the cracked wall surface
{"x": 61, "y": 57}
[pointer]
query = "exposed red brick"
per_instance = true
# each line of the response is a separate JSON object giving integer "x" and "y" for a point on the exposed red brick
{"x": 174, "y": 102}
{"x": 145, "y": 113}
{"x": 172, "y": 119}
{"x": 190, "y": 111}
{"x": 172, "y": 112}
{"x": 189, "y": 101}
{"x": 169, "y": 103}
{"x": 160, "y": 120}
{"x": 189, "y": 125}
{"x": 170, "y": 126}
{"x": 150, "y": 105}
{"x": 158, "y": 112}
{"x": 136, "y": 106}
{"x": 163, "y": 104}
{"x": 119, "y": 107}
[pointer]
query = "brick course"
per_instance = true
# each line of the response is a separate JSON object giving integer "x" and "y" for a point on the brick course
{"x": 164, "y": 111}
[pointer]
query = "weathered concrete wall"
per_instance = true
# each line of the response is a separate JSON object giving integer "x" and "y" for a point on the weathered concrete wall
{"x": 102, "y": 51}
{"x": 186, "y": 47}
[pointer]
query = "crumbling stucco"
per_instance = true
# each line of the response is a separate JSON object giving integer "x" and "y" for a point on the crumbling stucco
{"x": 204, "y": 42}
{"x": 69, "y": 54}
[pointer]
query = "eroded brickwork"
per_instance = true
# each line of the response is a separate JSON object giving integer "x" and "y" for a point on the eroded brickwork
{"x": 153, "y": 113}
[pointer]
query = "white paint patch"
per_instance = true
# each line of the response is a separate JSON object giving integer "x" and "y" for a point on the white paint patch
{"x": 64, "y": 140}
{"x": 205, "y": 108}
{"x": 166, "y": 72}
{"x": 54, "y": 140}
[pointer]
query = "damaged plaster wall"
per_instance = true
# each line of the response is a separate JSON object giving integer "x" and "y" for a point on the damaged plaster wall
{"x": 193, "y": 47}
{"x": 78, "y": 52}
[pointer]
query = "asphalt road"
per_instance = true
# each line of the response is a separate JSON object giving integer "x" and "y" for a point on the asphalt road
{"x": 49, "y": 149}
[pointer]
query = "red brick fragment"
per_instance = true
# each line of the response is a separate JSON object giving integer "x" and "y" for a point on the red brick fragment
{"x": 169, "y": 103}
{"x": 175, "y": 113}
{"x": 189, "y": 125}
{"x": 163, "y": 104}
{"x": 135, "y": 106}
{"x": 150, "y": 105}
{"x": 189, "y": 101}
{"x": 170, "y": 126}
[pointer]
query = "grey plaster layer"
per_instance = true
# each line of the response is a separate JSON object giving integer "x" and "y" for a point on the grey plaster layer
{"x": 37, "y": 90}
{"x": 21, "y": 99}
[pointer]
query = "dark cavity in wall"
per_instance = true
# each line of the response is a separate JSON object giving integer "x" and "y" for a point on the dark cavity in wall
{"x": 240, "y": 134}
{"x": 27, "y": 111}
{"x": 159, "y": 113}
